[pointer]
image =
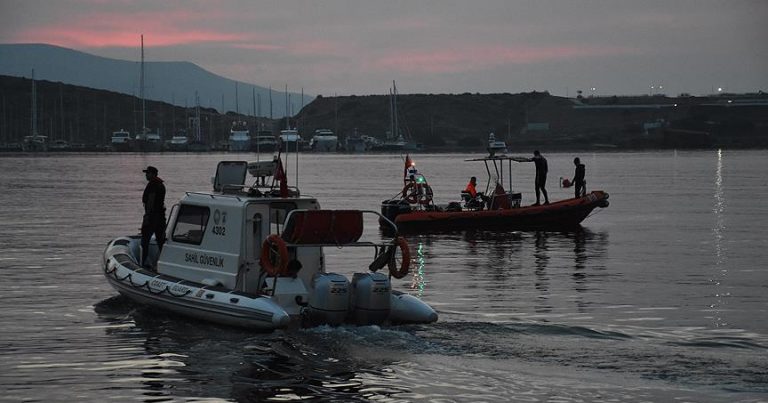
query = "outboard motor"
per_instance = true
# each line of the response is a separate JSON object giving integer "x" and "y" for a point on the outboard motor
{"x": 329, "y": 299}
{"x": 393, "y": 207}
{"x": 370, "y": 298}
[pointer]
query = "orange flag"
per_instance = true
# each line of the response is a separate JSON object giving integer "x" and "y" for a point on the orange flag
{"x": 282, "y": 177}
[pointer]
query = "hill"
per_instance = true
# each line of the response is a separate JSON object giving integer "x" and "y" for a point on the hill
{"x": 538, "y": 119}
{"x": 89, "y": 116}
{"x": 172, "y": 82}
{"x": 441, "y": 122}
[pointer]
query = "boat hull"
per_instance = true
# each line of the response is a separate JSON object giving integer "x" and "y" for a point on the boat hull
{"x": 146, "y": 146}
{"x": 124, "y": 146}
{"x": 226, "y": 306}
{"x": 264, "y": 148}
{"x": 210, "y": 303}
{"x": 565, "y": 214}
{"x": 239, "y": 145}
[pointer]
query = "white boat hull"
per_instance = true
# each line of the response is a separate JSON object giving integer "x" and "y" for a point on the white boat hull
{"x": 222, "y": 305}
{"x": 215, "y": 304}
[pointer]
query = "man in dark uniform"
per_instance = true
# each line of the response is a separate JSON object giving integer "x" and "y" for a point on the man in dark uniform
{"x": 541, "y": 176}
{"x": 578, "y": 178}
{"x": 154, "y": 213}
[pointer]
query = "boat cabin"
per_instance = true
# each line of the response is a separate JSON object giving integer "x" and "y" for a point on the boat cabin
{"x": 215, "y": 238}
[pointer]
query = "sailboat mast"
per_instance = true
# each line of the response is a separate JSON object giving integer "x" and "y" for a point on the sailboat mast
{"x": 141, "y": 90}
{"x": 237, "y": 99}
{"x": 197, "y": 118}
{"x": 391, "y": 116}
{"x": 287, "y": 116}
{"x": 256, "y": 120}
{"x": 34, "y": 105}
{"x": 395, "y": 125}
{"x": 394, "y": 108}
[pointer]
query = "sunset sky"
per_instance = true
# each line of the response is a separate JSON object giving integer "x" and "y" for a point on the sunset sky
{"x": 427, "y": 46}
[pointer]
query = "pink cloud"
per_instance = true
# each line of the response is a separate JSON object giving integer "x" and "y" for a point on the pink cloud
{"x": 75, "y": 37}
{"x": 469, "y": 58}
{"x": 110, "y": 30}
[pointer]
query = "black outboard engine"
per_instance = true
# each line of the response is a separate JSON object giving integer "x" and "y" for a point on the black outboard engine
{"x": 392, "y": 208}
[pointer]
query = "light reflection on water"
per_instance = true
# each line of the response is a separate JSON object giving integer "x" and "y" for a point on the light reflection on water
{"x": 658, "y": 297}
{"x": 718, "y": 232}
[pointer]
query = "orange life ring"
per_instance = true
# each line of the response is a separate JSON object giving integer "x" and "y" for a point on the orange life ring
{"x": 279, "y": 267}
{"x": 405, "y": 262}
{"x": 411, "y": 193}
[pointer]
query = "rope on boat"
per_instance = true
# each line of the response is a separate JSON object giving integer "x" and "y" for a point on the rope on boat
{"x": 129, "y": 277}
{"x": 184, "y": 294}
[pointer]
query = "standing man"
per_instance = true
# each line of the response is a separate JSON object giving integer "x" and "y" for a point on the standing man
{"x": 578, "y": 178}
{"x": 541, "y": 176}
{"x": 154, "y": 213}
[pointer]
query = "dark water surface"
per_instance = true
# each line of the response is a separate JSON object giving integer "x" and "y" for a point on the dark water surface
{"x": 662, "y": 296}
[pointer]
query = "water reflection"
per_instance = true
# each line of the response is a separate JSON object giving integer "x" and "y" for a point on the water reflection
{"x": 718, "y": 233}
{"x": 182, "y": 358}
{"x": 419, "y": 282}
{"x": 517, "y": 271}
{"x": 585, "y": 247}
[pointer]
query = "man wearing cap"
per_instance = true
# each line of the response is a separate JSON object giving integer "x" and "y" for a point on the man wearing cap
{"x": 154, "y": 213}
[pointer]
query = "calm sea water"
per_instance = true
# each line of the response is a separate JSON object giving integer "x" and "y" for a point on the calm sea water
{"x": 662, "y": 296}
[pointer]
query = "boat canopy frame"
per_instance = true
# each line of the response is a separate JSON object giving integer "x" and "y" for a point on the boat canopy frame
{"x": 497, "y": 161}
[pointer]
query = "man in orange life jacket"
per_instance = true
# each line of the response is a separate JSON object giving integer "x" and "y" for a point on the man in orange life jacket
{"x": 472, "y": 190}
{"x": 154, "y": 213}
{"x": 472, "y": 187}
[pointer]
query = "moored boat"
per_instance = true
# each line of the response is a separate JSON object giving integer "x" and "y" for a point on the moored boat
{"x": 252, "y": 256}
{"x": 239, "y": 137}
{"x": 35, "y": 143}
{"x": 324, "y": 140}
{"x": 264, "y": 142}
{"x": 179, "y": 142}
{"x": 414, "y": 210}
{"x": 147, "y": 141}
{"x": 495, "y": 146}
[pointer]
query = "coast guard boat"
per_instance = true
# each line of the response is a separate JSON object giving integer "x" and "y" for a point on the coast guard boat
{"x": 252, "y": 256}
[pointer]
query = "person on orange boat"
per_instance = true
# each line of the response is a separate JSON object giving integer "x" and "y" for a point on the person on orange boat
{"x": 472, "y": 187}
{"x": 471, "y": 190}
{"x": 578, "y": 178}
{"x": 541, "y": 177}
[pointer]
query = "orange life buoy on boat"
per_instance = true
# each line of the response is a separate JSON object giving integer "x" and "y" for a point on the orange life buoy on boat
{"x": 280, "y": 266}
{"x": 411, "y": 193}
{"x": 405, "y": 262}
